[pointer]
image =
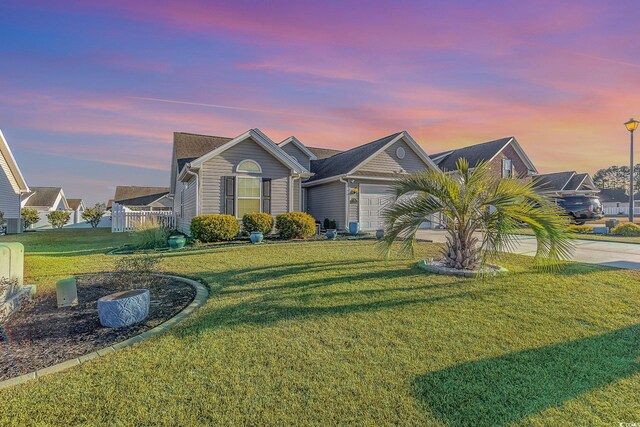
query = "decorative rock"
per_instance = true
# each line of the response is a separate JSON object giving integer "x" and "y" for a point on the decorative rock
{"x": 600, "y": 230}
{"x": 67, "y": 292}
{"x": 438, "y": 267}
{"x": 124, "y": 308}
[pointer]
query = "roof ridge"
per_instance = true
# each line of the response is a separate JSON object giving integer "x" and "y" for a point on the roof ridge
{"x": 365, "y": 144}
{"x": 201, "y": 134}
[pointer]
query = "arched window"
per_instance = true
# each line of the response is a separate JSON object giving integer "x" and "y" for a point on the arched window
{"x": 248, "y": 166}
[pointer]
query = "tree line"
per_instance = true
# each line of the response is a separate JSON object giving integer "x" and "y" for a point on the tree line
{"x": 616, "y": 177}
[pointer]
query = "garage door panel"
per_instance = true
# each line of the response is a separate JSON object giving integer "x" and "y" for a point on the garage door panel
{"x": 374, "y": 199}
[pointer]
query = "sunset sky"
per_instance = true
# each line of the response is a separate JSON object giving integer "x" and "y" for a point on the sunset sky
{"x": 91, "y": 91}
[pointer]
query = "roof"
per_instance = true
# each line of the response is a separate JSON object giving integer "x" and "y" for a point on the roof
{"x": 138, "y": 196}
{"x": 42, "y": 197}
{"x": 553, "y": 181}
{"x": 190, "y": 146}
{"x": 323, "y": 153}
{"x": 74, "y": 204}
{"x": 109, "y": 204}
{"x": 344, "y": 162}
{"x": 295, "y": 141}
{"x": 614, "y": 195}
{"x": 474, "y": 154}
{"x": 20, "y": 183}
{"x": 576, "y": 181}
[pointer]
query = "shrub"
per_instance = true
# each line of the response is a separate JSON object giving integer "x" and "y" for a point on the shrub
{"x": 580, "y": 229}
{"x": 329, "y": 224}
{"x": 257, "y": 221}
{"x": 214, "y": 228}
{"x": 627, "y": 230}
{"x": 58, "y": 219}
{"x": 29, "y": 217}
{"x": 150, "y": 235}
{"x": 94, "y": 215}
{"x": 295, "y": 225}
{"x": 135, "y": 271}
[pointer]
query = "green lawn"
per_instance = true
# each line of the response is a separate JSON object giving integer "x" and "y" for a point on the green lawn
{"x": 326, "y": 333}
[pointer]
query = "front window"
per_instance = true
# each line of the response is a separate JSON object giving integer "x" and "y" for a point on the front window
{"x": 249, "y": 166}
{"x": 248, "y": 195}
{"x": 506, "y": 168}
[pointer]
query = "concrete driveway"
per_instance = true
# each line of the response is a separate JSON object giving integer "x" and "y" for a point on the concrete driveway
{"x": 621, "y": 255}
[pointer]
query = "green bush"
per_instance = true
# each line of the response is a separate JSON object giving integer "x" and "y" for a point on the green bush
{"x": 214, "y": 228}
{"x": 627, "y": 230}
{"x": 257, "y": 221}
{"x": 329, "y": 224}
{"x": 580, "y": 229}
{"x": 29, "y": 217}
{"x": 295, "y": 225}
{"x": 136, "y": 272}
{"x": 58, "y": 219}
{"x": 94, "y": 215}
{"x": 150, "y": 235}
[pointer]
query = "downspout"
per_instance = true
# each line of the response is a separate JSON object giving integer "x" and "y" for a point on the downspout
{"x": 188, "y": 171}
{"x": 346, "y": 202}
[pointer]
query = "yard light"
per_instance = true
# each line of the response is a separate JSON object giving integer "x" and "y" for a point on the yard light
{"x": 631, "y": 125}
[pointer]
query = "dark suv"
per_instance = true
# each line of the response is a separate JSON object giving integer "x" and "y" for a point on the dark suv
{"x": 581, "y": 208}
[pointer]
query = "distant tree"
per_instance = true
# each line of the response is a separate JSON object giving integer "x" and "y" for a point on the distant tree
{"x": 29, "y": 217}
{"x": 58, "y": 219}
{"x": 616, "y": 177}
{"x": 94, "y": 215}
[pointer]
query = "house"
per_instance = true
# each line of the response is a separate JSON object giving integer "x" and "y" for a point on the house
{"x": 77, "y": 207}
{"x": 216, "y": 175}
{"x": 616, "y": 201}
{"x": 355, "y": 185}
{"x": 562, "y": 184}
{"x": 505, "y": 157}
{"x": 45, "y": 200}
{"x": 136, "y": 198}
{"x": 12, "y": 188}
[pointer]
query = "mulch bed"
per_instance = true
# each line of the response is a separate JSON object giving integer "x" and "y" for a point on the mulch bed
{"x": 40, "y": 334}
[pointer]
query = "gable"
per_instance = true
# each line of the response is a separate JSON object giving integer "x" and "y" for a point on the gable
{"x": 299, "y": 155}
{"x": 520, "y": 168}
{"x": 389, "y": 161}
{"x": 10, "y": 167}
{"x": 226, "y": 162}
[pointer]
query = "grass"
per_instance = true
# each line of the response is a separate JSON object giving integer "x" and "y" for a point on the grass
{"x": 326, "y": 333}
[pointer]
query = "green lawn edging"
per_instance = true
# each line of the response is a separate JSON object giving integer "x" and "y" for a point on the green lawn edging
{"x": 202, "y": 293}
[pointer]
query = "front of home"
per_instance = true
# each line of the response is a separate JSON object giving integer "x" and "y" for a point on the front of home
{"x": 45, "y": 200}
{"x": 137, "y": 198}
{"x": 13, "y": 188}
{"x": 76, "y": 206}
{"x": 563, "y": 184}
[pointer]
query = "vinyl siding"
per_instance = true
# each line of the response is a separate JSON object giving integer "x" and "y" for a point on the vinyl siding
{"x": 302, "y": 158}
{"x": 9, "y": 199}
{"x": 327, "y": 201}
{"x": 297, "y": 195}
{"x": 214, "y": 170}
{"x": 388, "y": 161}
{"x": 183, "y": 222}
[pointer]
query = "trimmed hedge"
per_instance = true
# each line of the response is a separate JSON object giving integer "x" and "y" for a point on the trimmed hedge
{"x": 296, "y": 225}
{"x": 627, "y": 230}
{"x": 580, "y": 229}
{"x": 214, "y": 228}
{"x": 257, "y": 221}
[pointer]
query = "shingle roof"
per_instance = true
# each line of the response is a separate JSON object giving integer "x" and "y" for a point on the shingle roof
{"x": 323, "y": 153}
{"x": 474, "y": 154}
{"x": 190, "y": 146}
{"x": 138, "y": 196}
{"x": 613, "y": 195}
{"x": 575, "y": 181}
{"x": 552, "y": 181}
{"x": 345, "y": 161}
{"x": 74, "y": 204}
{"x": 43, "y": 196}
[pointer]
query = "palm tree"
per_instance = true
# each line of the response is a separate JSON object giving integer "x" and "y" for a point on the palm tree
{"x": 473, "y": 202}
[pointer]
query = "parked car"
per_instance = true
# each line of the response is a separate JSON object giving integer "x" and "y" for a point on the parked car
{"x": 582, "y": 208}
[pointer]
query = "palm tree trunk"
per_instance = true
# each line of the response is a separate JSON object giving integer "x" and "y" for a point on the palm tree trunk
{"x": 462, "y": 252}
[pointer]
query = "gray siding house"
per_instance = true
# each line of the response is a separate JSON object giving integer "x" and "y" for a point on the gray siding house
{"x": 12, "y": 188}
{"x": 45, "y": 200}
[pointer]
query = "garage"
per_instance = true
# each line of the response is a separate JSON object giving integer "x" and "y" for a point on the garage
{"x": 373, "y": 200}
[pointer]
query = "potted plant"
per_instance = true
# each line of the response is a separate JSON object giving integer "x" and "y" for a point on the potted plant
{"x": 177, "y": 241}
{"x": 354, "y": 227}
{"x": 256, "y": 237}
{"x": 331, "y": 233}
{"x": 379, "y": 234}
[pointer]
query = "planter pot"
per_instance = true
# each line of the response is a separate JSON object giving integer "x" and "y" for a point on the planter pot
{"x": 379, "y": 234}
{"x": 256, "y": 237}
{"x": 124, "y": 308}
{"x": 177, "y": 242}
{"x": 354, "y": 227}
{"x": 611, "y": 223}
{"x": 331, "y": 234}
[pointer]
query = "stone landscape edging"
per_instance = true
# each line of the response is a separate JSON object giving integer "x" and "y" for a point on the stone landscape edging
{"x": 425, "y": 265}
{"x": 200, "y": 298}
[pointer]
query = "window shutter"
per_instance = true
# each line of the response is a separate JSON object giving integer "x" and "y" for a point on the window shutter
{"x": 229, "y": 195}
{"x": 266, "y": 195}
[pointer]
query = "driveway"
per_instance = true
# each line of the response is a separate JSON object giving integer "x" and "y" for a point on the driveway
{"x": 621, "y": 255}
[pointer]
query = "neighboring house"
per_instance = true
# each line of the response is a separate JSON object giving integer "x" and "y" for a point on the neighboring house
{"x": 45, "y": 200}
{"x": 355, "y": 185}
{"x": 561, "y": 184}
{"x": 616, "y": 201}
{"x": 135, "y": 198}
{"x": 77, "y": 207}
{"x": 12, "y": 188}
{"x": 505, "y": 157}
{"x": 109, "y": 204}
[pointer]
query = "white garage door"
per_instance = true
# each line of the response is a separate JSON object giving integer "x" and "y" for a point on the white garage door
{"x": 373, "y": 200}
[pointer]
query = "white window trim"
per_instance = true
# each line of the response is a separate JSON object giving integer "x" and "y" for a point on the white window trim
{"x": 246, "y": 171}
{"x": 237, "y": 193}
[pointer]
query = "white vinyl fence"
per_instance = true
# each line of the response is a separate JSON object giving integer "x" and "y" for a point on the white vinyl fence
{"x": 123, "y": 219}
{"x": 619, "y": 210}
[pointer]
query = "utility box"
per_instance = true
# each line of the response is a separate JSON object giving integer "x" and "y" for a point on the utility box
{"x": 67, "y": 292}
{"x": 12, "y": 262}
{"x": 14, "y": 225}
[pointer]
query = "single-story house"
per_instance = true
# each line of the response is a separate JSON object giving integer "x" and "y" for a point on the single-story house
{"x": 616, "y": 201}
{"x": 12, "y": 188}
{"x": 77, "y": 207}
{"x": 45, "y": 200}
{"x": 505, "y": 157}
{"x": 136, "y": 198}
{"x": 562, "y": 184}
